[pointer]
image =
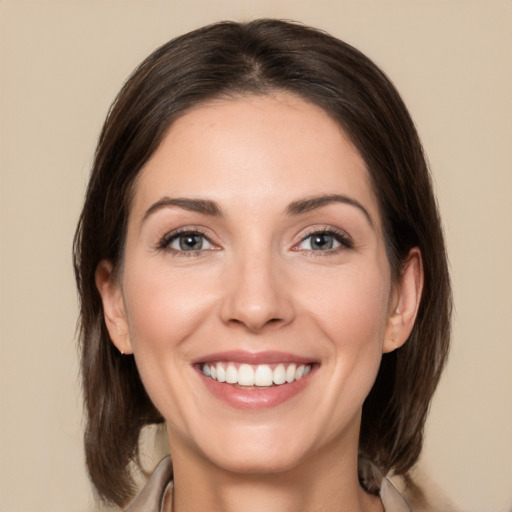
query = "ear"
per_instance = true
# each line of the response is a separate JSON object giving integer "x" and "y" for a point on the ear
{"x": 404, "y": 302}
{"x": 113, "y": 307}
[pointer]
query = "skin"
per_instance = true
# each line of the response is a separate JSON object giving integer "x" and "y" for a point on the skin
{"x": 258, "y": 284}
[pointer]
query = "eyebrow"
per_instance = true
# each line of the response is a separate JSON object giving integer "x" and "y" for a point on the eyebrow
{"x": 204, "y": 206}
{"x": 312, "y": 203}
{"x": 211, "y": 208}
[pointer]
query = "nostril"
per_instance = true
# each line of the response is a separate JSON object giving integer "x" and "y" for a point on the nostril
{"x": 254, "y": 325}
{"x": 256, "y": 303}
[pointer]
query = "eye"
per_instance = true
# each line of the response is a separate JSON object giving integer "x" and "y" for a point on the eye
{"x": 186, "y": 241}
{"x": 324, "y": 241}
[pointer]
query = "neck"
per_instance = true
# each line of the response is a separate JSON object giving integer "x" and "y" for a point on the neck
{"x": 326, "y": 482}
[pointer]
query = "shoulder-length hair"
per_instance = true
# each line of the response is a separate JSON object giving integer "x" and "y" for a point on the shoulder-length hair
{"x": 229, "y": 60}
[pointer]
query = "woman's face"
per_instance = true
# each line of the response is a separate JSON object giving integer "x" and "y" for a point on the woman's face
{"x": 255, "y": 292}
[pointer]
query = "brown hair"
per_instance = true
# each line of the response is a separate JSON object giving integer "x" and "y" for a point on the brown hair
{"x": 231, "y": 59}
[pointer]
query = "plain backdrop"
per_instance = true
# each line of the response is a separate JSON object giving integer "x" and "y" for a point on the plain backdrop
{"x": 61, "y": 63}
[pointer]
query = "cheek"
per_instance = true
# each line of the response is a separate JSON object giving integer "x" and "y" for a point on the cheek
{"x": 163, "y": 309}
{"x": 351, "y": 305}
{"x": 352, "y": 314}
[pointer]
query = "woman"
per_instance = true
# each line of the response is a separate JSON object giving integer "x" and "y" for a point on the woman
{"x": 261, "y": 266}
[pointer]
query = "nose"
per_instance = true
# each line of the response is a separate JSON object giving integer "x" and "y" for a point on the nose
{"x": 257, "y": 295}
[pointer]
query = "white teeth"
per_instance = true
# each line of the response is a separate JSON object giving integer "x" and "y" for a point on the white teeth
{"x": 279, "y": 375}
{"x": 290, "y": 373}
{"x": 231, "y": 374}
{"x": 245, "y": 375}
{"x": 263, "y": 375}
{"x": 260, "y": 375}
{"x": 221, "y": 374}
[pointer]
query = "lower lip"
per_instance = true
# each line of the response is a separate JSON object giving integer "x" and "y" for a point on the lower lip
{"x": 255, "y": 398}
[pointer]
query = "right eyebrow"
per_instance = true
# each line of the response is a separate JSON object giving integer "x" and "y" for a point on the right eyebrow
{"x": 204, "y": 206}
{"x": 312, "y": 203}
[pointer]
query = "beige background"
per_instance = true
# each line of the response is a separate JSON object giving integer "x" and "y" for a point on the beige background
{"x": 61, "y": 62}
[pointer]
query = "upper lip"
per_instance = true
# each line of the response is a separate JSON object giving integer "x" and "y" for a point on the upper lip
{"x": 254, "y": 358}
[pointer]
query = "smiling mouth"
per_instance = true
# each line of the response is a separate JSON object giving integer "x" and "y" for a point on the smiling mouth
{"x": 255, "y": 376}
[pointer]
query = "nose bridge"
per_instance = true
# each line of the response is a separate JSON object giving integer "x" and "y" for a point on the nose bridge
{"x": 257, "y": 293}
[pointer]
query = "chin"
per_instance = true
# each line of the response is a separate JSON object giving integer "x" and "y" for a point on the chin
{"x": 255, "y": 460}
{"x": 264, "y": 449}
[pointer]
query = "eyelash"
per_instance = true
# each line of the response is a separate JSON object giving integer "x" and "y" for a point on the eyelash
{"x": 165, "y": 242}
{"x": 341, "y": 237}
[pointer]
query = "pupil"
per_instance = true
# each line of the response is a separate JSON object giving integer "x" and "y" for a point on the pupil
{"x": 322, "y": 241}
{"x": 190, "y": 243}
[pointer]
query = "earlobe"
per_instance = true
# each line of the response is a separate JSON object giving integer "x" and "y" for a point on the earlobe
{"x": 405, "y": 302}
{"x": 113, "y": 307}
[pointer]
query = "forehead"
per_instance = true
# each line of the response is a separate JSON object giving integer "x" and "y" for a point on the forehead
{"x": 272, "y": 147}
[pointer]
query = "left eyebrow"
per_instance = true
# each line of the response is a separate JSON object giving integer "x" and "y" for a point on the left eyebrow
{"x": 204, "y": 206}
{"x": 312, "y": 203}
